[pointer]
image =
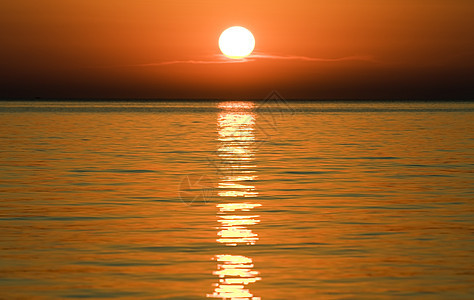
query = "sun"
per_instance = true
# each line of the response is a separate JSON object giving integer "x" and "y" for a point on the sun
{"x": 236, "y": 42}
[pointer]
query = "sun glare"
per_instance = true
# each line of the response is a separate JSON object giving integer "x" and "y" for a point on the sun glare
{"x": 236, "y": 42}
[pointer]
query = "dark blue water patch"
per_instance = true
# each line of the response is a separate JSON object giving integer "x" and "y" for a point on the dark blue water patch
{"x": 7, "y": 281}
{"x": 183, "y": 151}
{"x": 447, "y": 165}
{"x": 398, "y": 207}
{"x": 281, "y": 143}
{"x": 114, "y": 171}
{"x": 65, "y": 218}
{"x": 148, "y": 198}
{"x": 90, "y": 293}
{"x": 465, "y": 219}
{"x": 381, "y": 110}
{"x": 338, "y": 251}
{"x": 195, "y": 248}
{"x": 101, "y": 203}
{"x": 379, "y": 233}
{"x": 275, "y": 198}
{"x": 302, "y": 212}
{"x": 182, "y": 298}
{"x": 403, "y": 176}
{"x": 273, "y": 180}
{"x": 359, "y": 280}
{"x": 117, "y": 183}
{"x": 350, "y": 195}
{"x": 291, "y": 190}
{"x": 355, "y": 238}
{"x": 312, "y": 158}
{"x": 84, "y": 183}
{"x": 263, "y": 249}
{"x": 424, "y": 294}
{"x": 362, "y": 223}
{"x": 282, "y": 211}
{"x": 312, "y": 244}
{"x": 120, "y": 263}
{"x": 327, "y": 206}
{"x": 368, "y": 157}
{"x": 196, "y": 204}
{"x": 423, "y": 239}
{"x": 309, "y": 172}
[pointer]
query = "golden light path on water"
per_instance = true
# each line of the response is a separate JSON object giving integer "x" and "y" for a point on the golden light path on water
{"x": 236, "y": 139}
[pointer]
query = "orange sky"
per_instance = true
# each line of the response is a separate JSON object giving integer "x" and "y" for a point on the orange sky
{"x": 357, "y": 49}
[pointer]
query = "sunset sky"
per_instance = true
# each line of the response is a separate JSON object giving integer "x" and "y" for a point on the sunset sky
{"x": 339, "y": 49}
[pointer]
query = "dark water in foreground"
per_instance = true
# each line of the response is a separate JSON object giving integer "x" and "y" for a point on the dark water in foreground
{"x": 236, "y": 200}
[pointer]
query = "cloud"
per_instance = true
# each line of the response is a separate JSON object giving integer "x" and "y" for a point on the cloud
{"x": 311, "y": 59}
{"x": 221, "y": 59}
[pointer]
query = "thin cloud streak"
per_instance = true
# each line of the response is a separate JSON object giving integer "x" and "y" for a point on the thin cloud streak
{"x": 313, "y": 59}
{"x": 195, "y": 62}
{"x": 221, "y": 59}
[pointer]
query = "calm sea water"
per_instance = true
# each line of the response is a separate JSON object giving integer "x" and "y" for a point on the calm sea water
{"x": 236, "y": 200}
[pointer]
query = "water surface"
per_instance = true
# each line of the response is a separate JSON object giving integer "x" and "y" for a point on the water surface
{"x": 236, "y": 200}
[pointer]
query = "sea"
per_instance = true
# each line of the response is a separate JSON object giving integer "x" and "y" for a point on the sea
{"x": 238, "y": 200}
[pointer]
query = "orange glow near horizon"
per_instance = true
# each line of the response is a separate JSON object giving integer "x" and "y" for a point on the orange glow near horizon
{"x": 168, "y": 49}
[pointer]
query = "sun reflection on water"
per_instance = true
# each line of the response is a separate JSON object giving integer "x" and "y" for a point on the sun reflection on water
{"x": 236, "y": 150}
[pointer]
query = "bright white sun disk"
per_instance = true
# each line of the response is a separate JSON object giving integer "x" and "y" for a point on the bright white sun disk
{"x": 236, "y": 42}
